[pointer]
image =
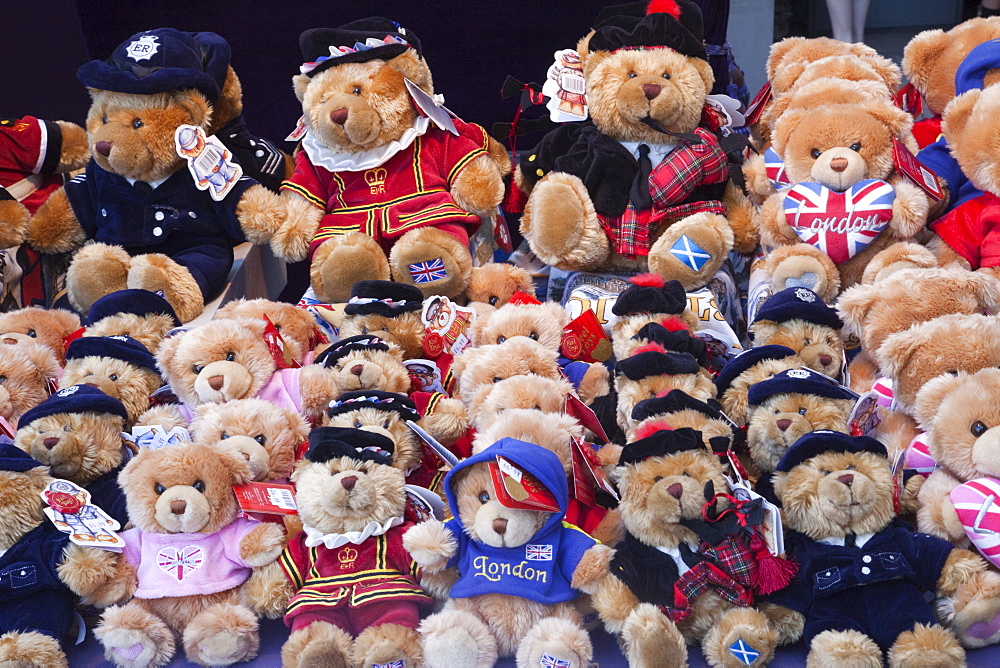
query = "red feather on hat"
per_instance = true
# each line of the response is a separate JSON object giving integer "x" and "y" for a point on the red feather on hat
{"x": 650, "y": 347}
{"x": 648, "y": 280}
{"x": 651, "y": 428}
{"x": 674, "y": 324}
{"x": 664, "y": 7}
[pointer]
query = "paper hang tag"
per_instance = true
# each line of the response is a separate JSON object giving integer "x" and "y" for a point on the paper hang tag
{"x": 430, "y": 108}
{"x": 70, "y": 510}
{"x": 909, "y": 100}
{"x": 588, "y": 475}
{"x": 868, "y": 414}
{"x": 450, "y": 321}
{"x": 522, "y": 297}
{"x": 898, "y": 465}
{"x": 518, "y": 489}
{"x": 165, "y": 396}
{"x": 73, "y": 336}
{"x": 425, "y": 376}
{"x": 914, "y": 170}
{"x": 277, "y": 347}
{"x": 501, "y": 233}
{"x": 300, "y": 130}
{"x": 156, "y": 437}
{"x": 266, "y": 497}
{"x": 428, "y": 504}
{"x": 729, "y": 109}
{"x": 757, "y": 104}
{"x": 584, "y": 339}
{"x": 566, "y": 88}
{"x": 209, "y": 161}
{"x": 444, "y": 453}
{"x": 585, "y": 415}
{"x": 7, "y": 431}
{"x": 770, "y": 530}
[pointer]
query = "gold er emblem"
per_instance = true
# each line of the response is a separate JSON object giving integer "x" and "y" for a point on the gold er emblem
{"x": 375, "y": 178}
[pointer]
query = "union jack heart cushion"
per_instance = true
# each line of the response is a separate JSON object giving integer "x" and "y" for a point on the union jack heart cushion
{"x": 978, "y": 511}
{"x": 839, "y": 224}
{"x": 919, "y": 457}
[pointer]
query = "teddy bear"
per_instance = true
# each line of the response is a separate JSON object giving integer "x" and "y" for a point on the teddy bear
{"x": 228, "y": 359}
{"x": 290, "y": 321}
{"x": 119, "y": 366}
{"x": 519, "y": 570}
{"x": 138, "y": 314}
{"x": 673, "y": 341}
{"x": 798, "y": 319}
{"x": 77, "y": 433}
{"x": 641, "y": 185}
{"x": 187, "y": 559}
{"x": 745, "y": 370}
{"x": 266, "y": 435}
{"x": 366, "y": 362}
{"x": 41, "y": 568}
{"x": 649, "y": 299}
{"x": 388, "y": 310}
{"x": 652, "y": 372}
{"x": 379, "y": 189}
{"x": 902, "y": 255}
{"x": 28, "y": 372}
{"x": 152, "y": 219}
{"x": 494, "y": 283}
{"x": 863, "y": 574}
{"x": 676, "y": 410}
{"x": 930, "y": 60}
{"x": 677, "y": 579}
{"x": 49, "y": 327}
{"x": 539, "y": 322}
{"x": 529, "y": 391}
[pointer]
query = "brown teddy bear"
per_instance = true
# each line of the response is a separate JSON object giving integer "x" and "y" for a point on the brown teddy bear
{"x": 519, "y": 570}
{"x": 677, "y": 410}
{"x": 745, "y": 370}
{"x": 539, "y": 322}
{"x": 530, "y": 391}
{"x": 366, "y": 362}
{"x": 267, "y": 436}
{"x": 676, "y": 578}
{"x": 902, "y": 255}
{"x": 379, "y": 189}
{"x": 77, "y": 433}
{"x": 641, "y": 185}
{"x": 188, "y": 558}
{"x": 49, "y": 327}
{"x": 291, "y": 322}
{"x": 494, "y": 283}
{"x": 138, "y": 314}
{"x": 228, "y": 359}
{"x": 798, "y": 319}
{"x": 649, "y": 299}
{"x": 28, "y": 370}
{"x": 930, "y": 61}
{"x": 652, "y": 372}
{"x": 346, "y": 585}
{"x": 860, "y": 587}
{"x": 155, "y": 224}
{"x": 119, "y": 366}
{"x": 388, "y": 310}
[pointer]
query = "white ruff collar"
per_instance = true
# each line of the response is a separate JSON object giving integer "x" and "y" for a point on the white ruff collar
{"x": 337, "y": 161}
{"x": 315, "y": 538}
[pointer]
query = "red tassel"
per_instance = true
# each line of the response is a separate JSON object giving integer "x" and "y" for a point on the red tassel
{"x": 648, "y": 280}
{"x": 650, "y": 348}
{"x": 773, "y": 573}
{"x": 515, "y": 200}
{"x": 651, "y": 428}
{"x": 663, "y": 7}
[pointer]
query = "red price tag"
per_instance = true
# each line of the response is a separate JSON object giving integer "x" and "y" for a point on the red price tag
{"x": 522, "y": 297}
{"x": 908, "y": 165}
{"x": 757, "y": 104}
{"x": 276, "y": 346}
{"x": 266, "y": 497}
{"x": 584, "y": 339}
{"x": 516, "y": 488}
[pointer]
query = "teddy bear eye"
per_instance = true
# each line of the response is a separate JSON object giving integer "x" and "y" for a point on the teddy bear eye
{"x": 776, "y": 411}
{"x": 825, "y": 471}
{"x": 32, "y": 333}
{"x": 815, "y": 153}
{"x": 385, "y": 328}
{"x": 501, "y": 339}
{"x": 197, "y": 368}
{"x": 856, "y": 146}
{"x": 230, "y": 356}
{"x": 978, "y": 428}
{"x": 686, "y": 474}
{"x": 385, "y": 423}
{"x": 666, "y": 75}
{"x": 356, "y": 90}
{"x": 224, "y": 436}
{"x": 3, "y": 379}
{"x": 632, "y": 75}
{"x": 851, "y": 467}
{"x": 136, "y": 123}
{"x": 493, "y": 300}
{"x": 159, "y": 489}
{"x": 533, "y": 336}
{"x": 484, "y": 497}
{"x": 652, "y": 394}
{"x": 357, "y": 424}
{"x": 807, "y": 340}
{"x": 260, "y": 438}
{"x": 364, "y": 330}
{"x": 802, "y": 411}
{"x": 67, "y": 427}
{"x": 199, "y": 485}
{"x": 104, "y": 119}
{"x": 113, "y": 377}
{"x": 497, "y": 379}
{"x": 658, "y": 478}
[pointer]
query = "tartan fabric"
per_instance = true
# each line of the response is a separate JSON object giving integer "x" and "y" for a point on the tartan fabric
{"x": 728, "y": 569}
{"x": 670, "y": 183}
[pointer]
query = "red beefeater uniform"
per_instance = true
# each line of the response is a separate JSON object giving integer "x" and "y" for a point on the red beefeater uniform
{"x": 407, "y": 191}
{"x": 29, "y": 153}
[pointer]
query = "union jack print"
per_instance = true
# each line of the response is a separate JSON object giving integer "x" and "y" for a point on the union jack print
{"x": 427, "y": 272}
{"x": 549, "y": 661}
{"x": 539, "y": 553}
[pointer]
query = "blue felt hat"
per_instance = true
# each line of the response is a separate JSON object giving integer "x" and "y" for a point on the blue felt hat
{"x": 797, "y": 381}
{"x": 123, "y": 348}
{"x": 13, "y": 458}
{"x": 138, "y": 302}
{"x": 817, "y": 442}
{"x": 745, "y": 360}
{"x": 75, "y": 399}
{"x": 162, "y": 60}
{"x": 801, "y": 304}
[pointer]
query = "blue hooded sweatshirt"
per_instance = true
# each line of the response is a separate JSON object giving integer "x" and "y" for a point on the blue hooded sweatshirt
{"x": 540, "y": 570}
{"x": 937, "y": 156}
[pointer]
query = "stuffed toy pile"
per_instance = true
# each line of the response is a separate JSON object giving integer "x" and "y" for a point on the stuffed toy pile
{"x": 736, "y": 388}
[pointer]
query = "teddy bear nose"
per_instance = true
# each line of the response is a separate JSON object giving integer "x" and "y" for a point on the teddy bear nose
{"x": 357, "y": 369}
{"x": 339, "y": 116}
{"x": 178, "y": 507}
{"x": 825, "y": 360}
{"x": 847, "y": 479}
{"x": 676, "y": 490}
{"x": 103, "y": 147}
{"x": 651, "y": 90}
{"x": 9, "y": 341}
{"x": 500, "y": 525}
{"x": 51, "y": 442}
{"x": 349, "y": 482}
{"x": 838, "y": 164}
{"x": 783, "y": 424}
{"x": 216, "y": 382}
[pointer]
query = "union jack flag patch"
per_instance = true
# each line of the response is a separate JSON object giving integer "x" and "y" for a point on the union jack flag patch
{"x": 429, "y": 271}
{"x": 539, "y": 553}
{"x": 549, "y": 661}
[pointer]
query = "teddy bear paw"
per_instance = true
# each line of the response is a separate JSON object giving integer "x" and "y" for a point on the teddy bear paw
{"x": 132, "y": 648}
{"x": 387, "y": 645}
{"x": 692, "y": 250}
{"x": 452, "y": 638}
{"x": 561, "y": 225}
{"x": 804, "y": 266}
{"x": 222, "y": 635}
{"x": 433, "y": 260}
{"x": 319, "y": 644}
{"x": 554, "y": 640}
{"x": 742, "y": 637}
{"x": 651, "y": 639}
{"x": 976, "y": 620}
{"x": 30, "y": 650}
{"x": 843, "y": 649}
{"x": 926, "y": 646}
{"x": 340, "y": 262}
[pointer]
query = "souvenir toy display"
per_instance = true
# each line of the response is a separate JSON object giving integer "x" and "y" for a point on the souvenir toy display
{"x": 387, "y": 183}
{"x": 138, "y": 314}
{"x": 153, "y": 104}
{"x": 836, "y": 494}
{"x": 366, "y": 362}
{"x": 798, "y": 319}
{"x": 531, "y": 391}
{"x": 649, "y": 299}
{"x": 522, "y": 605}
{"x": 390, "y": 311}
{"x": 650, "y": 373}
{"x": 494, "y": 283}
{"x": 291, "y": 323}
{"x": 49, "y": 327}
{"x": 29, "y": 371}
{"x": 745, "y": 370}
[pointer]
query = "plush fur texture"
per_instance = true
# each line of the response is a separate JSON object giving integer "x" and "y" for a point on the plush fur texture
{"x": 148, "y": 330}
{"x": 656, "y": 494}
{"x": 291, "y": 322}
{"x": 627, "y": 326}
{"x": 478, "y": 368}
{"x": 406, "y": 330}
{"x": 85, "y": 447}
{"x": 902, "y": 255}
{"x": 216, "y": 629}
{"x": 961, "y": 125}
{"x": 45, "y": 326}
{"x": 630, "y": 392}
{"x": 819, "y": 347}
{"x": 803, "y": 265}
{"x": 494, "y": 283}
{"x": 25, "y": 370}
{"x": 734, "y": 399}
{"x": 408, "y": 448}
{"x": 129, "y": 383}
{"x": 781, "y": 420}
{"x": 265, "y": 435}
{"x": 372, "y": 370}
{"x": 530, "y": 391}
{"x": 539, "y": 322}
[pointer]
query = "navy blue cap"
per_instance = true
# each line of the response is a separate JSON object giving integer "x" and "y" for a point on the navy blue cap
{"x": 675, "y": 401}
{"x": 745, "y": 360}
{"x": 377, "y": 399}
{"x": 660, "y": 444}
{"x": 972, "y": 71}
{"x": 801, "y": 304}
{"x": 123, "y": 348}
{"x": 797, "y": 381}
{"x": 13, "y": 458}
{"x": 817, "y": 442}
{"x": 326, "y": 443}
{"x": 75, "y": 399}
{"x": 355, "y": 42}
{"x": 137, "y": 302}
{"x": 652, "y": 363}
{"x": 386, "y": 298}
{"x": 160, "y": 61}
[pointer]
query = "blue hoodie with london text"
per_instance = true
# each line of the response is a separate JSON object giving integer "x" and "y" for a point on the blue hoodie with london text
{"x": 541, "y": 569}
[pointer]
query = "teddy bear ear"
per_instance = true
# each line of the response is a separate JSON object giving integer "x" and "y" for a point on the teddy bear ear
{"x": 196, "y": 105}
{"x": 299, "y": 84}
{"x": 895, "y": 352}
{"x": 414, "y": 68}
{"x": 985, "y": 287}
{"x": 66, "y": 320}
{"x": 778, "y": 482}
{"x": 930, "y": 397}
{"x": 887, "y": 70}
{"x": 854, "y": 304}
{"x": 898, "y": 121}
{"x": 778, "y": 52}
{"x": 920, "y": 54}
{"x": 46, "y": 365}
{"x": 167, "y": 351}
{"x": 956, "y": 115}
{"x": 785, "y": 127}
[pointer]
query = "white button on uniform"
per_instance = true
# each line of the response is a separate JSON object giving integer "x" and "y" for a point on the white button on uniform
{"x": 865, "y": 570}
{"x": 253, "y": 143}
{"x": 867, "y": 558}
{"x": 104, "y": 212}
{"x": 158, "y": 215}
{"x": 259, "y": 153}
{"x": 157, "y": 231}
{"x": 192, "y": 214}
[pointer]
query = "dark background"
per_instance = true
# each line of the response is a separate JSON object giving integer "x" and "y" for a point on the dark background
{"x": 470, "y": 45}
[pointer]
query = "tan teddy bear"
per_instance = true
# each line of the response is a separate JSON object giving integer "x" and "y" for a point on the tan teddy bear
{"x": 494, "y": 283}
{"x": 48, "y": 327}
{"x": 677, "y": 410}
{"x": 28, "y": 370}
{"x": 539, "y": 322}
{"x": 293, "y": 323}
{"x": 366, "y": 362}
{"x": 390, "y": 311}
{"x": 798, "y": 319}
{"x": 747, "y": 369}
{"x": 653, "y": 372}
{"x": 138, "y": 314}
{"x": 530, "y": 391}
{"x": 649, "y": 299}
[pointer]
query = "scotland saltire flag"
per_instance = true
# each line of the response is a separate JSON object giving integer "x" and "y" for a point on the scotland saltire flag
{"x": 426, "y": 272}
{"x": 744, "y": 652}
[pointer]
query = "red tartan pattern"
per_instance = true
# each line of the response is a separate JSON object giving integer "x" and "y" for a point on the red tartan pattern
{"x": 728, "y": 570}
{"x": 671, "y": 181}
